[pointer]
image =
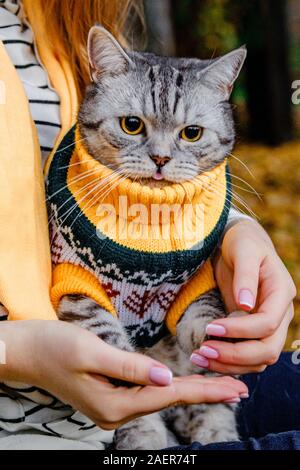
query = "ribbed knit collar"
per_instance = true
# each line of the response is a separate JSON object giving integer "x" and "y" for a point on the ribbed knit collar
{"x": 84, "y": 169}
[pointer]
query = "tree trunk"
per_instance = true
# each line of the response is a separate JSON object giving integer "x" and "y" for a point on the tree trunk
{"x": 160, "y": 27}
{"x": 267, "y": 73}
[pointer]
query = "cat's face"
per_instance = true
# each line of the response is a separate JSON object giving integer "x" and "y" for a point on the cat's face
{"x": 159, "y": 118}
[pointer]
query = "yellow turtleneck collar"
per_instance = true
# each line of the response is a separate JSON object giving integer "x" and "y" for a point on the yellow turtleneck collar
{"x": 107, "y": 198}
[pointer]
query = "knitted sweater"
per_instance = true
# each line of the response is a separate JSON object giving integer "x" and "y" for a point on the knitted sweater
{"x": 140, "y": 253}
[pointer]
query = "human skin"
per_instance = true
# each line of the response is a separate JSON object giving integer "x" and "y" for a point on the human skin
{"x": 251, "y": 277}
{"x": 72, "y": 364}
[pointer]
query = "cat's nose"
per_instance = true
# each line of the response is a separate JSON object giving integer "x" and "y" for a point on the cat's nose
{"x": 160, "y": 161}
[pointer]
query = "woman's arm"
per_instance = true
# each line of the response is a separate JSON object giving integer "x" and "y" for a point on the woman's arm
{"x": 71, "y": 363}
{"x": 251, "y": 277}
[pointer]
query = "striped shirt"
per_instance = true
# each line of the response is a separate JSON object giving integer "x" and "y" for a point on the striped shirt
{"x": 18, "y": 38}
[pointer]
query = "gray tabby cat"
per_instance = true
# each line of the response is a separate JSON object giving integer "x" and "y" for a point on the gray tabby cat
{"x": 177, "y": 92}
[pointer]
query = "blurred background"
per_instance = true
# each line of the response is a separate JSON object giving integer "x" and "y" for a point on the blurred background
{"x": 268, "y": 122}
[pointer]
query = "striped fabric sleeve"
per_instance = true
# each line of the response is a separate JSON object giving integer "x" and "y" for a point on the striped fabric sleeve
{"x": 18, "y": 39}
{"x": 234, "y": 216}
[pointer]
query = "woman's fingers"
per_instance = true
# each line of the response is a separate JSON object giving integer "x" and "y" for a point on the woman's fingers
{"x": 246, "y": 266}
{"x": 224, "y": 277}
{"x": 246, "y": 356}
{"x": 130, "y": 367}
{"x": 274, "y": 302}
{"x": 114, "y": 406}
{"x": 183, "y": 390}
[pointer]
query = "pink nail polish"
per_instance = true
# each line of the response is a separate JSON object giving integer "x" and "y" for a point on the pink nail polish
{"x": 208, "y": 352}
{"x": 232, "y": 400}
{"x": 161, "y": 376}
{"x": 246, "y": 299}
{"x": 215, "y": 330}
{"x": 244, "y": 395}
{"x": 199, "y": 361}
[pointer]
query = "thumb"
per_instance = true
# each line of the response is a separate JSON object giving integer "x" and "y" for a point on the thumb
{"x": 246, "y": 269}
{"x": 131, "y": 367}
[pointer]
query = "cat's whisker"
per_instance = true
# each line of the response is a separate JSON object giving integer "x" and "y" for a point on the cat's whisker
{"x": 228, "y": 202}
{"x": 243, "y": 164}
{"x": 96, "y": 196}
{"x": 115, "y": 184}
{"x": 67, "y": 214}
{"x": 89, "y": 203}
{"x": 73, "y": 164}
{"x": 240, "y": 200}
{"x": 247, "y": 184}
{"x": 246, "y": 190}
{"x": 77, "y": 178}
{"x": 71, "y": 145}
{"x": 76, "y": 193}
{"x": 231, "y": 192}
{"x": 100, "y": 183}
{"x": 98, "y": 193}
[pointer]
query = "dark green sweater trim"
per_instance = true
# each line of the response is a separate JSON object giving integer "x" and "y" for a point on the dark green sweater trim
{"x": 107, "y": 251}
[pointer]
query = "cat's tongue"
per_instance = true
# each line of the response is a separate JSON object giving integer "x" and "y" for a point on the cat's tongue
{"x": 158, "y": 176}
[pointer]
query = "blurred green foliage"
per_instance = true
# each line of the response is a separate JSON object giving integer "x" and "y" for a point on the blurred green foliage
{"x": 209, "y": 28}
{"x": 216, "y": 27}
{"x": 211, "y": 25}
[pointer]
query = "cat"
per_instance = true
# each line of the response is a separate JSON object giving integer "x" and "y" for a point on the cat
{"x": 160, "y": 121}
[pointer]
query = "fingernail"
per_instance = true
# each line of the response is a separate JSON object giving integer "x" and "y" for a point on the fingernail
{"x": 161, "y": 376}
{"x": 199, "y": 361}
{"x": 211, "y": 353}
{"x": 232, "y": 400}
{"x": 244, "y": 395}
{"x": 246, "y": 299}
{"x": 215, "y": 330}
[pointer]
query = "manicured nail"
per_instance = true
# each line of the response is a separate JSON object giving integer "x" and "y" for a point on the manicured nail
{"x": 232, "y": 400}
{"x": 215, "y": 330}
{"x": 208, "y": 352}
{"x": 246, "y": 299}
{"x": 161, "y": 376}
{"x": 199, "y": 361}
{"x": 244, "y": 395}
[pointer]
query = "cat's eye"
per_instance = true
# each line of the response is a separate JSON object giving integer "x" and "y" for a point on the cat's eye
{"x": 191, "y": 133}
{"x": 132, "y": 125}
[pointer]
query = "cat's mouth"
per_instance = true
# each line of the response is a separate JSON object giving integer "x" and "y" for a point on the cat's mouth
{"x": 157, "y": 176}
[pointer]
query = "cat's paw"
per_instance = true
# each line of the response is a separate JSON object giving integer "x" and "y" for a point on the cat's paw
{"x": 217, "y": 424}
{"x": 191, "y": 330}
{"x": 211, "y": 436}
{"x": 146, "y": 433}
{"x": 191, "y": 334}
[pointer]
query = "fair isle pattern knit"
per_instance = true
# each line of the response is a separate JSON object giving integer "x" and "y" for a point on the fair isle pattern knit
{"x": 147, "y": 282}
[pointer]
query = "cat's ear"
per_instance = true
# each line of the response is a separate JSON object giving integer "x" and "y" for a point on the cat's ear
{"x": 106, "y": 55}
{"x": 222, "y": 73}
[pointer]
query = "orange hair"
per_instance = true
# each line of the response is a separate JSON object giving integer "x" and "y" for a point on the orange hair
{"x": 69, "y": 21}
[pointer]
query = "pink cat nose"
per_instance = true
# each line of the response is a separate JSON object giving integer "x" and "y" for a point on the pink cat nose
{"x": 160, "y": 161}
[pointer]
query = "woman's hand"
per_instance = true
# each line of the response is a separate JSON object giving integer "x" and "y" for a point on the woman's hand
{"x": 251, "y": 276}
{"x": 72, "y": 363}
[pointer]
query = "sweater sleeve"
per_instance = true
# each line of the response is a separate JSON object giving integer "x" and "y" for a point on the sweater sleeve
{"x": 71, "y": 279}
{"x": 25, "y": 266}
